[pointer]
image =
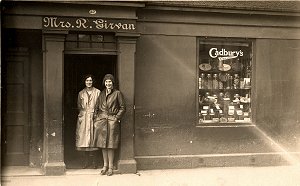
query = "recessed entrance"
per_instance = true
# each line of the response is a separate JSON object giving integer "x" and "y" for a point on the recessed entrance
{"x": 75, "y": 67}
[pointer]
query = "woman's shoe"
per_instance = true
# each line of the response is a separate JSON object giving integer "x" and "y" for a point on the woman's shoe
{"x": 103, "y": 170}
{"x": 109, "y": 172}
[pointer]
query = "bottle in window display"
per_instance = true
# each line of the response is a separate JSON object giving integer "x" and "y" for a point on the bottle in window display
{"x": 221, "y": 85}
{"x": 202, "y": 81}
{"x": 215, "y": 83}
{"x": 209, "y": 81}
{"x": 236, "y": 81}
{"x": 227, "y": 83}
{"x": 222, "y": 80}
{"x": 230, "y": 82}
{"x": 242, "y": 83}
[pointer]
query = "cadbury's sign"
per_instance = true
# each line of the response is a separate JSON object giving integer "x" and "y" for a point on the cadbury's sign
{"x": 88, "y": 24}
{"x": 223, "y": 53}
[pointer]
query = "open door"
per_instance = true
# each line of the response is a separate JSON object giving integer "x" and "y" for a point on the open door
{"x": 75, "y": 67}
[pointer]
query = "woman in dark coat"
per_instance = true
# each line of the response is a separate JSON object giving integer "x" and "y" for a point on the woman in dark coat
{"x": 107, "y": 123}
{"x": 87, "y": 106}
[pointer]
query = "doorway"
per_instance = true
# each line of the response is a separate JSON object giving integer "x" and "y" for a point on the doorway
{"x": 75, "y": 67}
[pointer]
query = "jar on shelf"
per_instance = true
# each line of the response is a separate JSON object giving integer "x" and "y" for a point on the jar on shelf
{"x": 221, "y": 86}
{"x": 229, "y": 81}
{"x": 242, "y": 83}
{"x": 215, "y": 83}
{"x": 202, "y": 81}
{"x": 209, "y": 81}
{"x": 236, "y": 81}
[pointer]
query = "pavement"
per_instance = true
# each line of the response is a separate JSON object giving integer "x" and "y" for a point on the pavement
{"x": 214, "y": 176}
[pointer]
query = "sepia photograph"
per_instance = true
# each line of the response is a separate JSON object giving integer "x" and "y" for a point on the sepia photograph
{"x": 150, "y": 93}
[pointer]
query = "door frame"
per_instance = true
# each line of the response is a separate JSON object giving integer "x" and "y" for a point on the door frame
{"x": 65, "y": 125}
{"x": 53, "y": 47}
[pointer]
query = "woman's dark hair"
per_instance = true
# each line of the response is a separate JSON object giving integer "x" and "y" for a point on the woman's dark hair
{"x": 109, "y": 76}
{"x": 88, "y": 76}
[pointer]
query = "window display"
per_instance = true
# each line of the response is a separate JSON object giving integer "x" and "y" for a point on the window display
{"x": 225, "y": 69}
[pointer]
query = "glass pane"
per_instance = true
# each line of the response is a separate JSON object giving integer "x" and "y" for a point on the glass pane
{"x": 97, "y": 45}
{"x": 224, "y": 82}
{"x": 109, "y": 38}
{"x": 84, "y": 45}
{"x": 111, "y": 46}
{"x": 83, "y": 37}
{"x": 97, "y": 38}
{"x": 71, "y": 44}
{"x": 71, "y": 37}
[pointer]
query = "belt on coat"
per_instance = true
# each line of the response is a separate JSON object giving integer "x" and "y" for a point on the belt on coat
{"x": 107, "y": 116}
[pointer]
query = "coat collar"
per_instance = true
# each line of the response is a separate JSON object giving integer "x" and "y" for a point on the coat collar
{"x": 110, "y": 92}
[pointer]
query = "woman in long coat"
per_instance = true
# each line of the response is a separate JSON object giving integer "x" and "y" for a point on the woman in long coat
{"x": 87, "y": 106}
{"x": 107, "y": 123}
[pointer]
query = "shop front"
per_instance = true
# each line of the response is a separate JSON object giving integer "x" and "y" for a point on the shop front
{"x": 214, "y": 87}
{"x": 48, "y": 48}
{"x": 204, "y": 84}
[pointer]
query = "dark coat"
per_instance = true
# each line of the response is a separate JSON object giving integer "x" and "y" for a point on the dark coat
{"x": 110, "y": 111}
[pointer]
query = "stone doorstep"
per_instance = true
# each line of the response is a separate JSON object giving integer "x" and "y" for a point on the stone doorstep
{"x": 56, "y": 169}
{"x": 18, "y": 171}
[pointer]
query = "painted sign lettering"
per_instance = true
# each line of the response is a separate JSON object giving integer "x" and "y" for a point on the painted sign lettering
{"x": 224, "y": 54}
{"x": 91, "y": 24}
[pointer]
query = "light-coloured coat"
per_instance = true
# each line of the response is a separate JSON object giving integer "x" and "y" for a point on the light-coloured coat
{"x": 87, "y": 105}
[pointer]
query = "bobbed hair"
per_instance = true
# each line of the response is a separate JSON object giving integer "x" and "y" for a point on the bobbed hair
{"x": 110, "y": 77}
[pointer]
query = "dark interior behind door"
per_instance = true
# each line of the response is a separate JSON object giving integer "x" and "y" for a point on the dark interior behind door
{"x": 75, "y": 67}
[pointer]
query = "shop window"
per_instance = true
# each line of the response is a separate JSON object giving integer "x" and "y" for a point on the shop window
{"x": 225, "y": 75}
{"x": 105, "y": 41}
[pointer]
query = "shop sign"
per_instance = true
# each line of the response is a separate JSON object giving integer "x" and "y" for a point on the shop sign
{"x": 224, "y": 54}
{"x": 88, "y": 24}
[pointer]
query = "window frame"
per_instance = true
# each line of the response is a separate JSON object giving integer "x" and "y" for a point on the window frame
{"x": 226, "y": 41}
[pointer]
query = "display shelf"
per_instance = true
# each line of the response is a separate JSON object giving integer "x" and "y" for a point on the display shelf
{"x": 218, "y": 71}
{"x": 226, "y": 125}
{"x": 218, "y": 89}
